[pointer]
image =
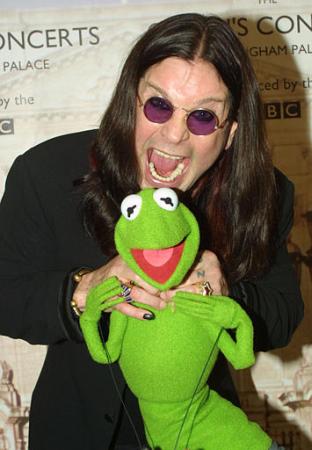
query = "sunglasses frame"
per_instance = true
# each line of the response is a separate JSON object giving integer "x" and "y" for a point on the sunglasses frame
{"x": 187, "y": 114}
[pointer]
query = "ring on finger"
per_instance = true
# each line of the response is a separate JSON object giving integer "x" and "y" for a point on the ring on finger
{"x": 126, "y": 292}
{"x": 206, "y": 288}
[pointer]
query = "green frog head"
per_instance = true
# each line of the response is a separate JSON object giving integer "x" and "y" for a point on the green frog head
{"x": 157, "y": 236}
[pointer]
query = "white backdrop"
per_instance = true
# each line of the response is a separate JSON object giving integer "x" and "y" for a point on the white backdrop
{"x": 58, "y": 64}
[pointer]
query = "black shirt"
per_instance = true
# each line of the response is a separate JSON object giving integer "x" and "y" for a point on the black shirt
{"x": 75, "y": 404}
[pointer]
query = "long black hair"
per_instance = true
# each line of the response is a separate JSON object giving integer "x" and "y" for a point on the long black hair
{"x": 236, "y": 196}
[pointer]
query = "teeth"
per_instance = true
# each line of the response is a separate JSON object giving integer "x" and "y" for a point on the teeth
{"x": 177, "y": 171}
{"x": 164, "y": 155}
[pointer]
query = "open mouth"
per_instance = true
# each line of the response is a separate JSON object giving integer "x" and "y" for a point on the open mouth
{"x": 159, "y": 264}
{"x": 164, "y": 167}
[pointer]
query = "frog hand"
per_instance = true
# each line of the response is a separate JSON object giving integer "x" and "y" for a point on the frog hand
{"x": 227, "y": 314}
{"x": 101, "y": 297}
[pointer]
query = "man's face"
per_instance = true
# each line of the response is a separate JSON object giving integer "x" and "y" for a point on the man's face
{"x": 168, "y": 153}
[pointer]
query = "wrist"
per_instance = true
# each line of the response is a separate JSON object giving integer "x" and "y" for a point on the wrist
{"x": 67, "y": 315}
{"x": 77, "y": 278}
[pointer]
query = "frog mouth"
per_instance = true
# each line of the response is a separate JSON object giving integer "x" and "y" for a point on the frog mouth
{"x": 158, "y": 264}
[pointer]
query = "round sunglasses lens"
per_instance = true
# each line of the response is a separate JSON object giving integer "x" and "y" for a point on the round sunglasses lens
{"x": 158, "y": 110}
{"x": 202, "y": 122}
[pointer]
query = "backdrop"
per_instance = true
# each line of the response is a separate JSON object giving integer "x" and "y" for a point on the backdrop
{"x": 58, "y": 64}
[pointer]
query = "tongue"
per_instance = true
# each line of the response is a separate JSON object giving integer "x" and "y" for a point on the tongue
{"x": 158, "y": 258}
{"x": 163, "y": 165}
{"x": 158, "y": 264}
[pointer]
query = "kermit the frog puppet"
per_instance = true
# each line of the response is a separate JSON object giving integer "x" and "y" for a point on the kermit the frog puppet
{"x": 167, "y": 361}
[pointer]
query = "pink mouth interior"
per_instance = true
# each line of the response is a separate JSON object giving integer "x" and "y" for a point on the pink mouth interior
{"x": 158, "y": 264}
{"x": 163, "y": 165}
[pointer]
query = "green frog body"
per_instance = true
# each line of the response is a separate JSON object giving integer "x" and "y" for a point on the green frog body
{"x": 166, "y": 362}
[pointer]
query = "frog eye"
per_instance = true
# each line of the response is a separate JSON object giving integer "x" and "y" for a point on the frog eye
{"x": 131, "y": 206}
{"x": 166, "y": 198}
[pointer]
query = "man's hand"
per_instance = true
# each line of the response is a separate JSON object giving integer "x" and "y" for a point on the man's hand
{"x": 140, "y": 290}
{"x": 208, "y": 268}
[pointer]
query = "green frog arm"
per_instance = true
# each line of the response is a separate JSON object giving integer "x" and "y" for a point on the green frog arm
{"x": 101, "y": 298}
{"x": 227, "y": 314}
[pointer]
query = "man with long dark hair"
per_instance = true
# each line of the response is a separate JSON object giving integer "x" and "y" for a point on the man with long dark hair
{"x": 186, "y": 113}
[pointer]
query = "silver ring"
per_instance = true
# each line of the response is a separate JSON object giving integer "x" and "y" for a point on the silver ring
{"x": 126, "y": 293}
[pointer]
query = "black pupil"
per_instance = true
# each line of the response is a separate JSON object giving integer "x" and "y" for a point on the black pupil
{"x": 167, "y": 200}
{"x": 130, "y": 210}
{"x": 160, "y": 103}
{"x": 203, "y": 115}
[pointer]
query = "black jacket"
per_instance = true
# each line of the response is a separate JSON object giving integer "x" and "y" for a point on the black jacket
{"x": 75, "y": 404}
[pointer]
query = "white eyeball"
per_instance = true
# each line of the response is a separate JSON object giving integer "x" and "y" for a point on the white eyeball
{"x": 131, "y": 206}
{"x": 166, "y": 198}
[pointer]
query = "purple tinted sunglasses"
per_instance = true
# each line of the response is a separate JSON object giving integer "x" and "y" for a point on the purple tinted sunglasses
{"x": 199, "y": 121}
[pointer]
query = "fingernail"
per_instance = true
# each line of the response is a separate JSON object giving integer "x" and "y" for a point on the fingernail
{"x": 149, "y": 316}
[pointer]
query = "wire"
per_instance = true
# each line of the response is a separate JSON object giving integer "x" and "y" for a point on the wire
{"x": 194, "y": 393}
{"x": 110, "y": 362}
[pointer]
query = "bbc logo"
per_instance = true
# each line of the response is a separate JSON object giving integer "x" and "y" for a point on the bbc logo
{"x": 282, "y": 110}
{"x": 6, "y": 126}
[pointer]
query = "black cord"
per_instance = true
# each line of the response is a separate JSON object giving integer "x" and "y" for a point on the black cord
{"x": 194, "y": 393}
{"x": 126, "y": 409}
{"x": 118, "y": 390}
